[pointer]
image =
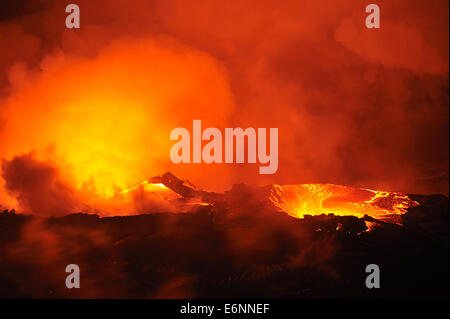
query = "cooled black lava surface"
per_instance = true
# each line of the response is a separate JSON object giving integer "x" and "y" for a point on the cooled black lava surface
{"x": 218, "y": 251}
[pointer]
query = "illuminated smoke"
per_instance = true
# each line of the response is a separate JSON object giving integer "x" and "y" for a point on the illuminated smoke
{"x": 95, "y": 106}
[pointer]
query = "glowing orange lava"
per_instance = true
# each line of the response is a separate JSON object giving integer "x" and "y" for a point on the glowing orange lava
{"x": 316, "y": 199}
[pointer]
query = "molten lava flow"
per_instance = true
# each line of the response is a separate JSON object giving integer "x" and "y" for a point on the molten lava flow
{"x": 157, "y": 188}
{"x": 317, "y": 199}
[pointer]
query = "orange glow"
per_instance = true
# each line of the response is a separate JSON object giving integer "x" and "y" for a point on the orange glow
{"x": 104, "y": 123}
{"x": 159, "y": 189}
{"x": 317, "y": 199}
{"x": 97, "y": 104}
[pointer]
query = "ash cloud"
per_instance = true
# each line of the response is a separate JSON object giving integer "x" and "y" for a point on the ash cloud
{"x": 37, "y": 186}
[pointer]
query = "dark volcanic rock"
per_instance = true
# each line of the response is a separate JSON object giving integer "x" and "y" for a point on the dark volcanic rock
{"x": 226, "y": 250}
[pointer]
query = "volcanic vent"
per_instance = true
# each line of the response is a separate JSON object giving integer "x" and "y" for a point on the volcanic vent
{"x": 305, "y": 199}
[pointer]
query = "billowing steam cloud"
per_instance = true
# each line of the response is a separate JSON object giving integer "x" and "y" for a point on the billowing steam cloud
{"x": 88, "y": 111}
